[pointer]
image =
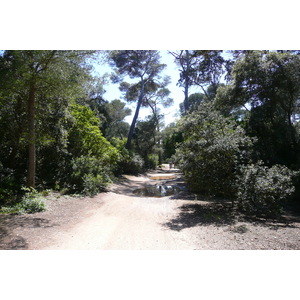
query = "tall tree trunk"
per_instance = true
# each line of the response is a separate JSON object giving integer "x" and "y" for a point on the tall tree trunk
{"x": 31, "y": 136}
{"x": 132, "y": 126}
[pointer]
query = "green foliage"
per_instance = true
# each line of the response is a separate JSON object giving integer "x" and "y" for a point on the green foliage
{"x": 93, "y": 184}
{"x": 8, "y": 185}
{"x": 146, "y": 141}
{"x": 143, "y": 65}
{"x": 85, "y": 137}
{"x": 277, "y": 140}
{"x": 194, "y": 102}
{"x": 207, "y": 68}
{"x": 94, "y": 158}
{"x": 89, "y": 175}
{"x": 171, "y": 138}
{"x": 212, "y": 149}
{"x": 111, "y": 115}
{"x": 134, "y": 165}
{"x": 267, "y": 84}
{"x": 262, "y": 190}
{"x": 151, "y": 161}
{"x": 53, "y": 79}
{"x": 85, "y": 162}
{"x": 129, "y": 162}
{"x": 136, "y": 63}
{"x": 31, "y": 202}
{"x": 115, "y": 126}
{"x": 145, "y": 136}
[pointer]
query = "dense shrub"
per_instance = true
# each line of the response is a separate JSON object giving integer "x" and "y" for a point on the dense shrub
{"x": 262, "y": 190}
{"x": 93, "y": 184}
{"x": 123, "y": 156}
{"x": 134, "y": 165}
{"x": 89, "y": 175}
{"x": 151, "y": 161}
{"x": 93, "y": 158}
{"x": 8, "y": 186}
{"x": 171, "y": 138}
{"x": 31, "y": 202}
{"x": 86, "y": 139}
{"x": 212, "y": 149}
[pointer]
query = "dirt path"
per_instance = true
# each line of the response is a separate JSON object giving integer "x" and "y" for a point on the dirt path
{"x": 124, "y": 222}
{"x": 119, "y": 220}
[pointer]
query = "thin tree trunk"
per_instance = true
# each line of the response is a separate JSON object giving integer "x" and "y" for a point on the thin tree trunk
{"x": 132, "y": 126}
{"x": 31, "y": 136}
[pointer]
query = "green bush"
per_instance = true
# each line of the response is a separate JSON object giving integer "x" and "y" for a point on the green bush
{"x": 31, "y": 202}
{"x": 151, "y": 161}
{"x": 89, "y": 175}
{"x": 134, "y": 165}
{"x": 123, "y": 156}
{"x": 93, "y": 160}
{"x": 211, "y": 151}
{"x": 93, "y": 184}
{"x": 32, "y": 205}
{"x": 129, "y": 162}
{"x": 171, "y": 137}
{"x": 8, "y": 186}
{"x": 262, "y": 190}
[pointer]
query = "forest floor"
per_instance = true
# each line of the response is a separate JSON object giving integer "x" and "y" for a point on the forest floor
{"x": 122, "y": 219}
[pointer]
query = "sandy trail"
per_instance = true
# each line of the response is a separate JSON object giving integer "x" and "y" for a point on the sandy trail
{"x": 124, "y": 222}
{"x": 114, "y": 220}
{"x": 119, "y": 220}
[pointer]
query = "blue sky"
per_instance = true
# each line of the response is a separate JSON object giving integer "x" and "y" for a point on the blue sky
{"x": 112, "y": 91}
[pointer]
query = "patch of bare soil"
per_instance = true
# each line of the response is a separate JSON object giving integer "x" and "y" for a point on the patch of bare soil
{"x": 35, "y": 231}
{"x": 119, "y": 219}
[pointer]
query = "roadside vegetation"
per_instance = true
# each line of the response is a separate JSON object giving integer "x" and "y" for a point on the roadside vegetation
{"x": 237, "y": 138}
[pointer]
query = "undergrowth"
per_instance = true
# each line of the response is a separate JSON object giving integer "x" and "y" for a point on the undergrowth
{"x": 31, "y": 202}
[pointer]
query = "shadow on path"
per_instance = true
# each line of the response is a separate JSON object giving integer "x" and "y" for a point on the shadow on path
{"x": 197, "y": 214}
{"x": 11, "y": 241}
{"x": 222, "y": 214}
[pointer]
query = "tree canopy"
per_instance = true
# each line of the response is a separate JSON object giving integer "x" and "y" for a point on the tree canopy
{"x": 143, "y": 65}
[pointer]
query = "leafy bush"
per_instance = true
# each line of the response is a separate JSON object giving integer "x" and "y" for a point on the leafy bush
{"x": 32, "y": 205}
{"x": 134, "y": 165}
{"x": 93, "y": 184}
{"x": 8, "y": 186}
{"x": 93, "y": 158}
{"x": 262, "y": 190}
{"x": 151, "y": 161}
{"x": 171, "y": 138}
{"x": 89, "y": 175}
{"x": 129, "y": 162}
{"x": 212, "y": 149}
{"x": 123, "y": 158}
{"x": 85, "y": 137}
{"x": 31, "y": 202}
